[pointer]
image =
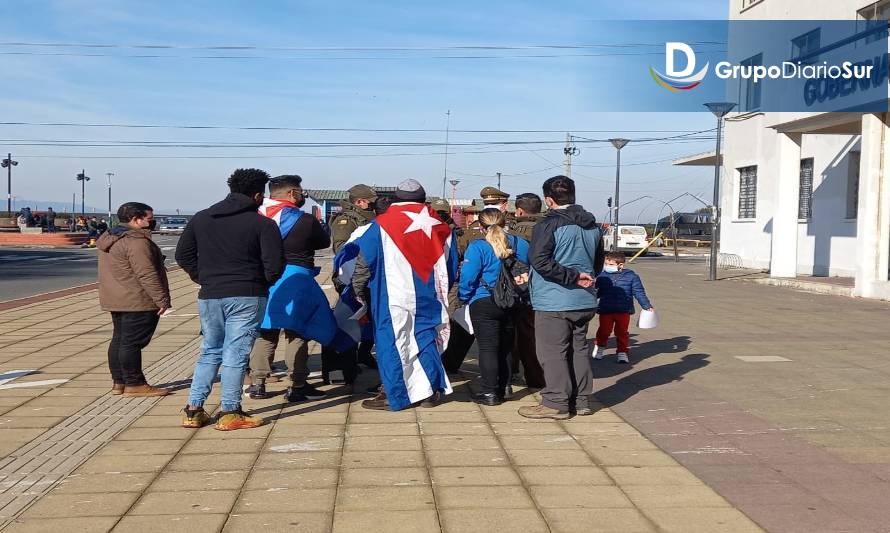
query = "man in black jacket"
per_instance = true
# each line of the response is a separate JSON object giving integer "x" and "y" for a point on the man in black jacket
{"x": 235, "y": 254}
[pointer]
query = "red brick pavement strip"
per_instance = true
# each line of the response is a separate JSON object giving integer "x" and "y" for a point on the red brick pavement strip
{"x": 779, "y": 480}
{"x": 20, "y": 302}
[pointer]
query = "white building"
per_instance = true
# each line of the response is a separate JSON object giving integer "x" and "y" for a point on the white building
{"x": 806, "y": 193}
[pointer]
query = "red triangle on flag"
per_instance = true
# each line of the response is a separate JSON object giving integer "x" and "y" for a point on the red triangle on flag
{"x": 418, "y": 233}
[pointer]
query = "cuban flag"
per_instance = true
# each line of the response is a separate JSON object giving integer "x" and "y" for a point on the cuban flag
{"x": 353, "y": 327}
{"x": 413, "y": 262}
{"x": 284, "y": 213}
{"x": 296, "y": 301}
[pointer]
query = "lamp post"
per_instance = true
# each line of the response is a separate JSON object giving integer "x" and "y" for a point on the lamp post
{"x": 453, "y": 192}
{"x": 618, "y": 144}
{"x": 108, "y": 176}
{"x": 8, "y": 163}
{"x": 720, "y": 110}
{"x": 83, "y": 179}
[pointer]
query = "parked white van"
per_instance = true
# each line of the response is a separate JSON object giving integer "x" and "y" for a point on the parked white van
{"x": 631, "y": 239}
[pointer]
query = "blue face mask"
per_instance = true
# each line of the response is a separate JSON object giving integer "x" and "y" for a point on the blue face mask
{"x": 611, "y": 269}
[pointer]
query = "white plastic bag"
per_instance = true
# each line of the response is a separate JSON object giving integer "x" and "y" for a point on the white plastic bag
{"x": 648, "y": 319}
{"x": 462, "y": 317}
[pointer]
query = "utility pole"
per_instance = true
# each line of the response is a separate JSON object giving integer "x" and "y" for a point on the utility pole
{"x": 447, "y": 131}
{"x": 499, "y": 181}
{"x": 569, "y": 151}
{"x": 83, "y": 179}
{"x": 8, "y": 163}
{"x": 108, "y": 176}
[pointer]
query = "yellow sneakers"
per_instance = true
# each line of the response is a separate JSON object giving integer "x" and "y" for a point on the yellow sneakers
{"x": 231, "y": 420}
{"x": 194, "y": 419}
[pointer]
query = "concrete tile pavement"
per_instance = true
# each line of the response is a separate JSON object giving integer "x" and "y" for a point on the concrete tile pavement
{"x": 318, "y": 466}
{"x": 688, "y": 438}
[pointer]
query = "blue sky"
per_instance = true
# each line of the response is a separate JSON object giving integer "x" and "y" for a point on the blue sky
{"x": 411, "y": 92}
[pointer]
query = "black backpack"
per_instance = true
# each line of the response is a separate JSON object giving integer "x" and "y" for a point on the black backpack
{"x": 506, "y": 294}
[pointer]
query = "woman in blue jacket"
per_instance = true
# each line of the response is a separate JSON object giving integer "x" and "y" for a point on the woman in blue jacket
{"x": 493, "y": 325}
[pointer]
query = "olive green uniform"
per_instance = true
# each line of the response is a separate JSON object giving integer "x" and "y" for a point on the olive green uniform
{"x": 524, "y": 319}
{"x": 346, "y": 221}
{"x": 523, "y": 226}
{"x": 342, "y": 226}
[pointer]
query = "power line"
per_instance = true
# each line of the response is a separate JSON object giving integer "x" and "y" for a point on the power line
{"x": 281, "y": 128}
{"x": 267, "y": 156}
{"x": 342, "y": 48}
{"x": 504, "y": 174}
{"x": 93, "y": 143}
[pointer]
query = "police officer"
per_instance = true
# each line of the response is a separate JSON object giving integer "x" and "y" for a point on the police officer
{"x": 491, "y": 197}
{"x": 528, "y": 213}
{"x": 443, "y": 209}
{"x": 357, "y": 211}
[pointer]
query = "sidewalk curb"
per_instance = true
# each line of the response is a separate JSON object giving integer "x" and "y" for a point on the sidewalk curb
{"x": 805, "y": 286}
{"x": 37, "y": 298}
{"x": 43, "y": 297}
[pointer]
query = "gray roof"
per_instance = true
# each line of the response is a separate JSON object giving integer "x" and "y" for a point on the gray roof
{"x": 322, "y": 195}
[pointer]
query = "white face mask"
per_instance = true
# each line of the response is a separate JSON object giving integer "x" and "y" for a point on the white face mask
{"x": 611, "y": 269}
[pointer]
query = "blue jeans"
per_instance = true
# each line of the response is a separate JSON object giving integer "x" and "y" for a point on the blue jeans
{"x": 229, "y": 327}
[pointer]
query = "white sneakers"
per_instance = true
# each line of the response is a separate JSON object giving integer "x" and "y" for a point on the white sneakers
{"x": 599, "y": 352}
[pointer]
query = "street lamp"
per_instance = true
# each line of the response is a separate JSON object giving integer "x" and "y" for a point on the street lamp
{"x": 618, "y": 144}
{"x": 83, "y": 179}
{"x": 108, "y": 176}
{"x": 720, "y": 110}
{"x": 8, "y": 163}
{"x": 453, "y": 191}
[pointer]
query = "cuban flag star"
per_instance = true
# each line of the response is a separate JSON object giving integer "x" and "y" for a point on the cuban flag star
{"x": 406, "y": 264}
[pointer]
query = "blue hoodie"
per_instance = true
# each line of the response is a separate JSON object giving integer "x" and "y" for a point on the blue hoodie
{"x": 617, "y": 291}
{"x": 565, "y": 243}
{"x": 481, "y": 265}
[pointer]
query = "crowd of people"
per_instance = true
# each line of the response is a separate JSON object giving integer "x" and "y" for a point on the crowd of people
{"x": 93, "y": 225}
{"x": 411, "y": 285}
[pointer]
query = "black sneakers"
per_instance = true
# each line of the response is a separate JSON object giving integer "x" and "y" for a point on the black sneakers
{"x": 487, "y": 398}
{"x": 258, "y": 392}
{"x": 303, "y": 393}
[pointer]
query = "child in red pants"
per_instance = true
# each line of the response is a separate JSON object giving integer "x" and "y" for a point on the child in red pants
{"x": 616, "y": 288}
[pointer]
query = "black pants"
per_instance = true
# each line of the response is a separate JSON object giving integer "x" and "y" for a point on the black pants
{"x": 132, "y": 333}
{"x": 346, "y": 361}
{"x": 494, "y": 328}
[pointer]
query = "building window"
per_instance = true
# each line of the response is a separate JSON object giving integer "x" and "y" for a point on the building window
{"x": 805, "y": 45}
{"x": 853, "y": 185}
{"x": 805, "y": 201}
{"x": 749, "y": 90}
{"x": 876, "y": 14}
{"x": 748, "y": 192}
{"x": 748, "y": 4}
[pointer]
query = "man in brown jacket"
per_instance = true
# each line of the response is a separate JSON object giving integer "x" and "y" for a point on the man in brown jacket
{"x": 133, "y": 287}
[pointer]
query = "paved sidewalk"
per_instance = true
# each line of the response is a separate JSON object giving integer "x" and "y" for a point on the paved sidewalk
{"x": 689, "y": 438}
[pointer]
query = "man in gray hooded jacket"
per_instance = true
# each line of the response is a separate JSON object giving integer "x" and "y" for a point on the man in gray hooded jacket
{"x": 565, "y": 255}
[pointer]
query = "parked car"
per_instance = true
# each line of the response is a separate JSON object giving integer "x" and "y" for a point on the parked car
{"x": 173, "y": 225}
{"x": 631, "y": 239}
